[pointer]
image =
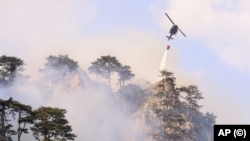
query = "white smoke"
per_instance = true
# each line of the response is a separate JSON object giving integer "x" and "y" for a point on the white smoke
{"x": 93, "y": 111}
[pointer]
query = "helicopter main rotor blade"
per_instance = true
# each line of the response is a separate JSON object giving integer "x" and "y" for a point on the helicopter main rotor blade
{"x": 182, "y": 32}
{"x": 170, "y": 19}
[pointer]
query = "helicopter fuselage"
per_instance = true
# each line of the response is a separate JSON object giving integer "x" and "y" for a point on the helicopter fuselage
{"x": 172, "y": 32}
{"x": 173, "y": 29}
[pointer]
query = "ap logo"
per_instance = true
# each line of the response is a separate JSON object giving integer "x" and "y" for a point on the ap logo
{"x": 224, "y": 132}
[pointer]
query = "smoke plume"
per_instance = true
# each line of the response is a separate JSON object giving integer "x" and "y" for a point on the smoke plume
{"x": 93, "y": 111}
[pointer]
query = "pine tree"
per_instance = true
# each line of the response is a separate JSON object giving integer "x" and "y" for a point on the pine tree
{"x": 9, "y": 67}
{"x": 5, "y": 112}
{"x": 24, "y": 117}
{"x": 125, "y": 74}
{"x": 177, "y": 116}
{"x": 50, "y": 123}
{"x": 105, "y": 67}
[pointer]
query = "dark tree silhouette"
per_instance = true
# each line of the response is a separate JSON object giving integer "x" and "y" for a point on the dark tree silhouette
{"x": 61, "y": 70}
{"x": 125, "y": 74}
{"x": 178, "y": 114}
{"x": 105, "y": 67}
{"x": 61, "y": 62}
{"x": 9, "y": 66}
{"x": 50, "y": 123}
{"x": 192, "y": 97}
{"x": 5, "y": 111}
{"x": 96, "y": 69}
{"x": 24, "y": 117}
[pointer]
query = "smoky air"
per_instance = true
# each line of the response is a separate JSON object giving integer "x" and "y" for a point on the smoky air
{"x": 100, "y": 103}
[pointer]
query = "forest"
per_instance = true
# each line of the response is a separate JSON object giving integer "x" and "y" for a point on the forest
{"x": 160, "y": 111}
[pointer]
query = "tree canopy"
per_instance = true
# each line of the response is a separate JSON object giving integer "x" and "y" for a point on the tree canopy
{"x": 178, "y": 112}
{"x": 61, "y": 62}
{"x": 8, "y": 68}
{"x": 105, "y": 66}
{"x": 50, "y": 123}
{"x": 125, "y": 74}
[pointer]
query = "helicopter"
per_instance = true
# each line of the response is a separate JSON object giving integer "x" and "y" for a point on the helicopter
{"x": 173, "y": 29}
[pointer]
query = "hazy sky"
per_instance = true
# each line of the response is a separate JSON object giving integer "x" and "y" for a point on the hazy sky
{"x": 215, "y": 54}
